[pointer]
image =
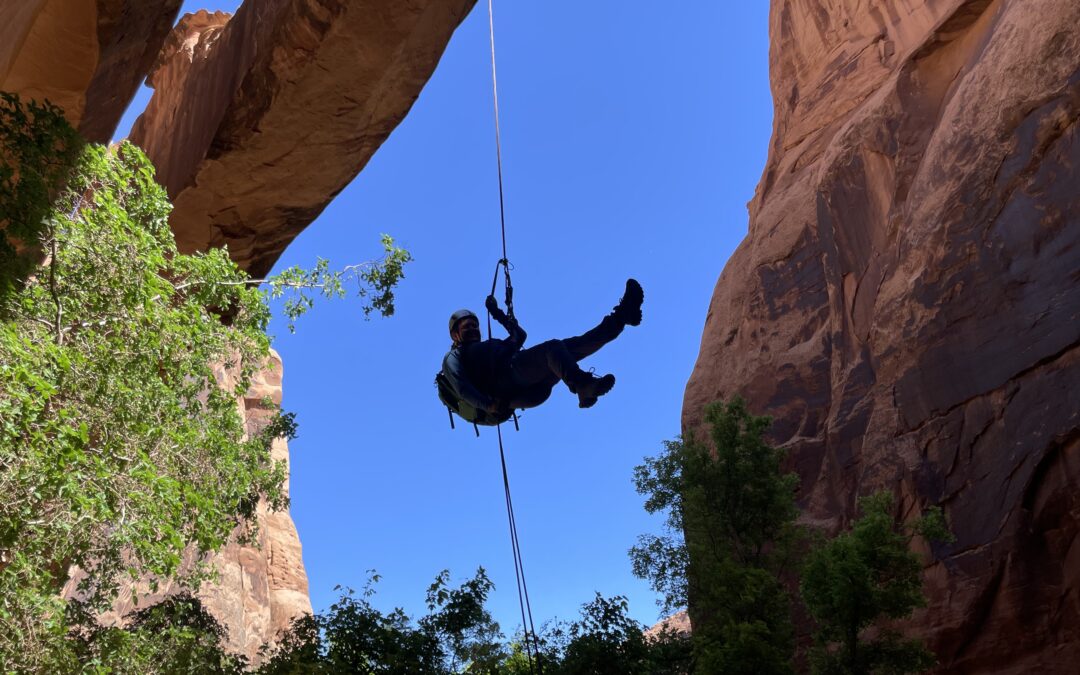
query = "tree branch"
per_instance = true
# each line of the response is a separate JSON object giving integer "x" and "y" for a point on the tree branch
{"x": 268, "y": 280}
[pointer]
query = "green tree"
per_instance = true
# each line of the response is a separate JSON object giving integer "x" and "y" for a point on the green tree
{"x": 37, "y": 151}
{"x": 518, "y": 662}
{"x": 462, "y": 623}
{"x": 458, "y": 635}
{"x": 853, "y": 584}
{"x": 175, "y": 635}
{"x": 606, "y": 641}
{"x": 118, "y": 443}
{"x": 731, "y": 536}
{"x": 122, "y": 449}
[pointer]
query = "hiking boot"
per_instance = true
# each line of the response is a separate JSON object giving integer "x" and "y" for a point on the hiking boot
{"x": 591, "y": 387}
{"x": 629, "y": 308}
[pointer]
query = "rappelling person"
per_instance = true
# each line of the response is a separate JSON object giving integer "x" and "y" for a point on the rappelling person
{"x": 484, "y": 381}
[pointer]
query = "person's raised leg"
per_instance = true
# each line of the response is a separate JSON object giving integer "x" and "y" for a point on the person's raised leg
{"x": 550, "y": 360}
{"x": 545, "y": 362}
{"x": 626, "y": 313}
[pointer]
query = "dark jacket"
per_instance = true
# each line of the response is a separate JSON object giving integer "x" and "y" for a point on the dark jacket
{"x": 480, "y": 372}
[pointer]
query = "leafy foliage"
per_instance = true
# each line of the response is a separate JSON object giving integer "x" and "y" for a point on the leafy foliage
{"x": 731, "y": 535}
{"x": 458, "y": 635}
{"x": 462, "y": 623}
{"x": 605, "y": 641}
{"x": 123, "y": 454}
{"x": 120, "y": 440}
{"x": 37, "y": 151}
{"x": 374, "y": 281}
{"x": 861, "y": 579}
{"x": 176, "y": 635}
{"x": 663, "y": 559}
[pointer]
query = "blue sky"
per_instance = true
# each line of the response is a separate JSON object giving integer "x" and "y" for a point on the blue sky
{"x": 633, "y": 136}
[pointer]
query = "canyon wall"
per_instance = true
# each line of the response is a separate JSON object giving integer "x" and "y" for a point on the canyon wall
{"x": 261, "y": 586}
{"x": 86, "y": 56}
{"x": 906, "y": 304}
{"x": 257, "y": 122}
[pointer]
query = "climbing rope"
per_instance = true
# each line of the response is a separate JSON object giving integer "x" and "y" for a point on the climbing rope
{"x": 498, "y": 138}
{"x": 532, "y": 645}
{"x": 532, "y": 642}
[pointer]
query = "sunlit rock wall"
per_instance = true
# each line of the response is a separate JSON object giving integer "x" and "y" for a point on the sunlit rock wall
{"x": 260, "y": 587}
{"x": 906, "y": 304}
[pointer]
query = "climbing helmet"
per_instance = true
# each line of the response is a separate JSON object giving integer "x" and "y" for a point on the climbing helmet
{"x": 459, "y": 315}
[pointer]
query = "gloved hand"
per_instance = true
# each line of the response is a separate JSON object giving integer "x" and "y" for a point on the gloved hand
{"x": 507, "y": 322}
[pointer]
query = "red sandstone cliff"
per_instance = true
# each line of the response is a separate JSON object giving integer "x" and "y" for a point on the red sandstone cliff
{"x": 259, "y": 120}
{"x": 261, "y": 587}
{"x": 86, "y": 56}
{"x": 242, "y": 106}
{"x": 906, "y": 304}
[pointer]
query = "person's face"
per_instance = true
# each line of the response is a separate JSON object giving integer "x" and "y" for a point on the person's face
{"x": 467, "y": 331}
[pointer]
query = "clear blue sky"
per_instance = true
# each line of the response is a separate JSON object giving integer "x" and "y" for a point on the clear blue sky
{"x": 633, "y": 136}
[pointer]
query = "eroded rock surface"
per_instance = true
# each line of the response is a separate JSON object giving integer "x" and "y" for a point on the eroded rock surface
{"x": 678, "y": 623}
{"x": 259, "y": 120}
{"x": 86, "y": 56}
{"x": 906, "y": 304}
{"x": 262, "y": 587}
{"x": 256, "y": 124}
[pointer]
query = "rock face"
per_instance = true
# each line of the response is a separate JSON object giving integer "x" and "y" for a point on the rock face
{"x": 678, "y": 623}
{"x": 259, "y": 120}
{"x": 906, "y": 304}
{"x": 86, "y": 56}
{"x": 261, "y": 588}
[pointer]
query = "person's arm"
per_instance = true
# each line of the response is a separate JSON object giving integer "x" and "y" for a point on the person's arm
{"x": 455, "y": 372}
{"x": 517, "y": 333}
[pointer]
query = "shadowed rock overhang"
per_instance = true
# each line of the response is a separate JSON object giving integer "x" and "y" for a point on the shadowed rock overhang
{"x": 260, "y": 119}
{"x": 86, "y": 56}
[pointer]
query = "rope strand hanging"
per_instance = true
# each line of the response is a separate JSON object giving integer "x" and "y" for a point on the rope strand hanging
{"x": 498, "y": 136}
{"x": 532, "y": 646}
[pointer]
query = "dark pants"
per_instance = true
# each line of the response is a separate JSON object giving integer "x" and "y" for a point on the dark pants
{"x": 536, "y": 370}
